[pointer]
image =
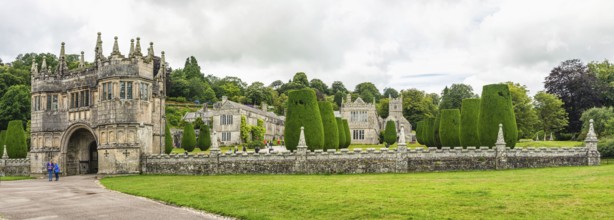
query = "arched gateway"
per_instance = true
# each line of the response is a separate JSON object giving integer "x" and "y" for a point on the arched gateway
{"x": 98, "y": 118}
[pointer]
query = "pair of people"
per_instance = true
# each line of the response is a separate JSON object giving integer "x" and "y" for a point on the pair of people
{"x": 53, "y": 168}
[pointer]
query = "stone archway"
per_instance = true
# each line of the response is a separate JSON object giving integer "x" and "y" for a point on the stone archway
{"x": 80, "y": 152}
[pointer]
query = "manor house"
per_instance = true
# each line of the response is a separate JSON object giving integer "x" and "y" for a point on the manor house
{"x": 98, "y": 118}
{"x": 226, "y": 119}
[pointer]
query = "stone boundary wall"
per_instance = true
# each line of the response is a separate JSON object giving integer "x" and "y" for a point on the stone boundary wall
{"x": 364, "y": 161}
{"x": 15, "y": 167}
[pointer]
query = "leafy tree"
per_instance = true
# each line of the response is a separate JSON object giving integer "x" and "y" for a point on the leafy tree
{"x": 367, "y": 91}
{"x": 382, "y": 107}
{"x": 300, "y": 78}
{"x": 526, "y": 117}
{"x": 15, "y": 105}
{"x": 329, "y": 123}
{"x": 188, "y": 140}
{"x": 341, "y": 132}
{"x": 452, "y": 98}
{"x": 192, "y": 69}
{"x": 496, "y": 108}
{"x": 15, "y": 140}
{"x": 390, "y": 133}
{"x": 417, "y": 105}
{"x": 168, "y": 140}
{"x": 303, "y": 111}
{"x": 449, "y": 127}
{"x": 605, "y": 73}
{"x": 318, "y": 85}
{"x": 276, "y": 84}
{"x": 257, "y": 93}
{"x": 577, "y": 87}
{"x": 258, "y": 131}
{"x": 339, "y": 98}
{"x": 204, "y": 138}
{"x": 390, "y": 92}
{"x": 603, "y": 121}
{"x": 338, "y": 87}
{"x": 198, "y": 123}
{"x": 550, "y": 111}
{"x": 470, "y": 112}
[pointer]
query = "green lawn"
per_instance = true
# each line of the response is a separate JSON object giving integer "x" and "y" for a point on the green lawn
{"x": 11, "y": 178}
{"x": 549, "y": 193}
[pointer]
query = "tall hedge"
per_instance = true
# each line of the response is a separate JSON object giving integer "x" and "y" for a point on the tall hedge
{"x": 329, "y": 123}
{"x": 303, "y": 111}
{"x": 348, "y": 135}
{"x": 436, "y": 136}
{"x": 429, "y": 134}
{"x": 390, "y": 134}
{"x": 449, "y": 127}
{"x": 470, "y": 113}
{"x": 204, "y": 138}
{"x": 188, "y": 140}
{"x": 15, "y": 140}
{"x": 341, "y": 132}
{"x": 168, "y": 140}
{"x": 419, "y": 132}
{"x": 496, "y": 108}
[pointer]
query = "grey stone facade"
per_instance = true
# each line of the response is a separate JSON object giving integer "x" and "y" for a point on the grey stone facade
{"x": 98, "y": 118}
{"x": 395, "y": 114}
{"x": 363, "y": 121}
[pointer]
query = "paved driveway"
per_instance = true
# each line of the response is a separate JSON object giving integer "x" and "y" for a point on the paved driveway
{"x": 80, "y": 197}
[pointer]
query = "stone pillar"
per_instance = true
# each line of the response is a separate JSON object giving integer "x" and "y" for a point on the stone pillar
{"x": 214, "y": 153}
{"x": 301, "y": 154}
{"x": 593, "y": 157}
{"x": 5, "y": 155}
{"x": 500, "y": 149}
{"x": 402, "y": 152}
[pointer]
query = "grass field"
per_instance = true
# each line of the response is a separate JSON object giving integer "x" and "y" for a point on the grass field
{"x": 11, "y": 178}
{"x": 549, "y": 193}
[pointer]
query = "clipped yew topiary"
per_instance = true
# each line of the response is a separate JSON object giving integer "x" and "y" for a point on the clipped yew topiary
{"x": 419, "y": 132}
{"x": 15, "y": 140}
{"x": 204, "y": 138}
{"x": 496, "y": 108}
{"x": 470, "y": 113}
{"x": 429, "y": 134}
{"x": 449, "y": 127}
{"x": 348, "y": 137}
{"x": 168, "y": 140}
{"x": 341, "y": 132}
{"x": 2, "y": 135}
{"x": 436, "y": 136}
{"x": 303, "y": 111}
{"x": 390, "y": 134}
{"x": 329, "y": 123}
{"x": 188, "y": 140}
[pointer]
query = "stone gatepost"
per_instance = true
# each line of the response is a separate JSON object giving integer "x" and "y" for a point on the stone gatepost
{"x": 402, "y": 153}
{"x": 301, "y": 154}
{"x": 593, "y": 156}
{"x": 214, "y": 153}
{"x": 5, "y": 155}
{"x": 500, "y": 149}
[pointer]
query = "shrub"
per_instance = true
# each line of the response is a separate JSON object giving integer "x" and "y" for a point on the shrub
{"x": 496, "y": 108}
{"x": 435, "y": 127}
{"x": 341, "y": 132}
{"x": 329, "y": 123}
{"x": 2, "y": 136}
{"x": 390, "y": 134}
{"x": 606, "y": 147}
{"x": 168, "y": 140}
{"x": 245, "y": 130}
{"x": 204, "y": 138}
{"x": 348, "y": 137}
{"x": 258, "y": 131}
{"x": 303, "y": 111}
{"x": 419, "y": 129}
{"x": 470, "y": 112}
{"x": 188, "y": 141}
{"x": 449, "y": 127}
{"x": 429, "y": 134}
{"x": 15, "y": 140}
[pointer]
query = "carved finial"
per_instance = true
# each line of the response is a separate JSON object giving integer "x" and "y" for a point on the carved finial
{"x": 34, "y": 68}
{"x": 44, "y": 64}
{"x": 162, "y": 59}
{"x": 301, "y": 139}
{"x": 591, "y": 136}
{"x": 500, "y": 139}
{"x": 131, "y": 54}
{"x": 115, "y": 48}
{"x": 5, "y": 155}
{"x": 150, "y": 52}
{"x": 98, "y": 50}
{"x": 62, "y": 66}
{"x": 82, "y": 60}
{"x": 137, "y": 49}
{"x": 62, "y": 54}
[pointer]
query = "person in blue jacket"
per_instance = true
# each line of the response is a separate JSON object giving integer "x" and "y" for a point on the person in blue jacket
{"x": 50, "y": 169}
{"x": 56, "y": 170}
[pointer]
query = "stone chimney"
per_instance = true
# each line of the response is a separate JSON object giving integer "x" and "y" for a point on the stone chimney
{"x": 224, "y": 99}
{"x": 264, "y": 107}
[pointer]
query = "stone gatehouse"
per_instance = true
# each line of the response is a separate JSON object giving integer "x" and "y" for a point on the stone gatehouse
{"x": 98, "y": 118}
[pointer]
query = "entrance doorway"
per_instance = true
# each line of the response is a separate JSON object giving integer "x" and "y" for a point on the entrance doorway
{"x": 81, "y": 153}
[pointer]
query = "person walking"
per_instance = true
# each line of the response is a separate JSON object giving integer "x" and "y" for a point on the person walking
{"x": 50, "y": 169}
{"x": 56, "y": 170}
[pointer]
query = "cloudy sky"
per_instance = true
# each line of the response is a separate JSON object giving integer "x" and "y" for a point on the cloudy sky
{"x": 400, "y": 44}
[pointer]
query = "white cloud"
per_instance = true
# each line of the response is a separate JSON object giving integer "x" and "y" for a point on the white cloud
{"x": 400, "y": 44}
